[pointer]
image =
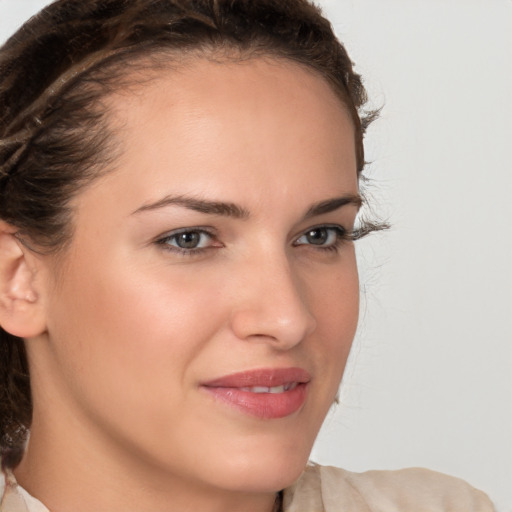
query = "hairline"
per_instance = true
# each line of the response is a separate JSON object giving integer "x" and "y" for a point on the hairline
{"x": 128, "y": 72}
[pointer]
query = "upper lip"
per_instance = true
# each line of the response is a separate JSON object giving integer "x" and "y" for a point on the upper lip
{"x": 265, "y": 377}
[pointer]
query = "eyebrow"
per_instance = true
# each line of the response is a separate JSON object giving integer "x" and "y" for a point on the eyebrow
{"x": 331, "y": 205}
{"x": 233, "y": 210}
{"x": 198, "y": 205}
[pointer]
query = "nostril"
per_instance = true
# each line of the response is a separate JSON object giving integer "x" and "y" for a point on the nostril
{"x": 272, "y": 306}
{"x": 283, "y": 328}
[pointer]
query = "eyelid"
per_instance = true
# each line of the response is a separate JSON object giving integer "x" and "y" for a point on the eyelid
{"x": 162, "y": 240}
{"x": 341, "y": 230}
{"x": 341, "y": 236}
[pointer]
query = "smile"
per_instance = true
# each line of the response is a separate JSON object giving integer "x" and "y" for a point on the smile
{"x": 264, "y": 393}
{"x": 273, "y": 389}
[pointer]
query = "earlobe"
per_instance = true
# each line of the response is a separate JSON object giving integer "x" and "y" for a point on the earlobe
{"x": 20, "y": 304}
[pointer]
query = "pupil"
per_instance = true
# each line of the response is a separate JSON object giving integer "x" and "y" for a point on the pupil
{"x": 188, "y": 240}
{"x": 317, "y": 236}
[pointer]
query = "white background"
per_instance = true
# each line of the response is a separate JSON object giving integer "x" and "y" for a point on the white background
{"x": 430, "y": 379}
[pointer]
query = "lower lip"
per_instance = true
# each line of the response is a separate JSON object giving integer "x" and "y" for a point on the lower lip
{"x": 262, "y": 405}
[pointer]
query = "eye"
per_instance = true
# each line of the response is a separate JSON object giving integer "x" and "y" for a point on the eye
{"x": 187, "y": 240}
{"x": 325, "y": 237}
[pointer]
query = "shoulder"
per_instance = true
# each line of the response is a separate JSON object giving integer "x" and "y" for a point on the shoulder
{"x": 329, "y": 489}
{"x": 13, "y": 498}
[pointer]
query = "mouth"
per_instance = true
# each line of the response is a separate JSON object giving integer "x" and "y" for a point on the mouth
{"x": 263, "y": 393}
{"x": 274, "y": 389}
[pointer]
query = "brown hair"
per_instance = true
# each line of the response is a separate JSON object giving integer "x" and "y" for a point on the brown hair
{"x": 53, "y": 136}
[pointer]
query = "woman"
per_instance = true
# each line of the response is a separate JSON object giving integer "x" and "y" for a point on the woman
{"x": 179, "y": 292}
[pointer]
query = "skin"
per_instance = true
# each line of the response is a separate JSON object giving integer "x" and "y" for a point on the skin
{"x": 129, "y": 327}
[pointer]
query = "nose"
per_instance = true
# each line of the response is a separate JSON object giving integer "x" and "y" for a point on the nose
{"x": 270, "y": 304}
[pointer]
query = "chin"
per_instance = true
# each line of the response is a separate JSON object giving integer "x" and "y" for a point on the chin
{"x": 281, "y": 477}
{"x": 269, "y": 470}
{"x": 268, "y": 459}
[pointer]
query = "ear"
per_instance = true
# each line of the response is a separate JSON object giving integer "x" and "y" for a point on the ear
{"x": 21, "y": 311}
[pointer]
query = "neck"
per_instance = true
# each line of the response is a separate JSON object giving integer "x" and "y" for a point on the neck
{"x": 77, "y": 474}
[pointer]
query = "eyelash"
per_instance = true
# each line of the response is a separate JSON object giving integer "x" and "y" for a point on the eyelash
{"x": 341, "y": 234}
{"x": 164, "y": 241}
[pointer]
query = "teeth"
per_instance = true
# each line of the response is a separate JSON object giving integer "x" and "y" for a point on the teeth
{"x": 273, "y": 389}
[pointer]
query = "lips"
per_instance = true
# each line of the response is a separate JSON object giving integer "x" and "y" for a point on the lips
{"x": 263, "y": 393}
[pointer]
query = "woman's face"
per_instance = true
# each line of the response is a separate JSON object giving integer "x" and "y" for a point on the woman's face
{"x": 201, "y": 319}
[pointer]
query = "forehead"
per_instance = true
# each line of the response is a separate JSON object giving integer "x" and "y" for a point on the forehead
{"x": 205, "y": 123}
{"x": 223, "y": 80}
{"x": 229, "y": 89}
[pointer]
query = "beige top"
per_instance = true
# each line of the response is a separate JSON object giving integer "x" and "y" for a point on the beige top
{"x": 328, "y": 489}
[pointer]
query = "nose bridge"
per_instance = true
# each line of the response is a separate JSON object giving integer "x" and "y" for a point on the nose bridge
{"x": 273, "y": 303}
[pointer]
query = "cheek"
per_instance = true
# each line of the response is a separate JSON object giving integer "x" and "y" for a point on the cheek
{"x": 335, "y": 299}
{"x": 336, "y": 305}
{"x": 128, "y": 337}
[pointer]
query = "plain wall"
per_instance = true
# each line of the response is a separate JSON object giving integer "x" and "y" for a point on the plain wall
{"x": 430, "y": 378}
{"x": 430, "y": 381}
